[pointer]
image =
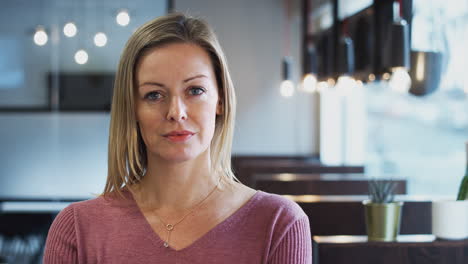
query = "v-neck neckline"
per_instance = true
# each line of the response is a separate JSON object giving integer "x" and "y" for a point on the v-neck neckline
{"x": 159, "y": 242}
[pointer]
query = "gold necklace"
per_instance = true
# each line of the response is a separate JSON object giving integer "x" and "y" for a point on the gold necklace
{"x": 170, "y": 227}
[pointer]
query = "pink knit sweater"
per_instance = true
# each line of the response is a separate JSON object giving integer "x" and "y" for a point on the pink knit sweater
{"x": 267, "y": 229}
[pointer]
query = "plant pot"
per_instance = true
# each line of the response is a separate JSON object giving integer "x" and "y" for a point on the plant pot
{"x": 450, "y": 219}
{"x": 382, "y": 220}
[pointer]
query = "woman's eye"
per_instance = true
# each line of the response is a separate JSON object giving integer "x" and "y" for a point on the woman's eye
{"x": 196, "y": 91}
{"x": 153, "y": 96}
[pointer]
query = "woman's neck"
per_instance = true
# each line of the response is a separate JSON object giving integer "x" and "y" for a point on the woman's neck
{"x": 175, "y": 187}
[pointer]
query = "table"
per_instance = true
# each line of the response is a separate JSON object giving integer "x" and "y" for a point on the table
{"x": 25, "y": 223}
{"x": 409, "y": 249}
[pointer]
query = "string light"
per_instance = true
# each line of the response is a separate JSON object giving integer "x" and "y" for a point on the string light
{"x": 123, "y": 18}
{"x": 81, "y": 57}
{"x": 345, "y": 85}
{"x": 322, "y": 86}
{"x": 386, "y": 76}
{"x": 359, "y": 84}
{"x": 100, "y": 39}
{"x": 40, "y": 37}
{"x": 69, "y": 29}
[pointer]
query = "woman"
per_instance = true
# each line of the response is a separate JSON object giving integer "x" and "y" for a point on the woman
{"x": 170, "y": 195}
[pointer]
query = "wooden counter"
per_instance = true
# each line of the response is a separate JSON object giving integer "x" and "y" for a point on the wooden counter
{"x": 409, "y": 249}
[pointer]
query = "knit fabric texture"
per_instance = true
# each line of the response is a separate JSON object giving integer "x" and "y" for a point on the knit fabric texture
{"x": 267, "y": 229}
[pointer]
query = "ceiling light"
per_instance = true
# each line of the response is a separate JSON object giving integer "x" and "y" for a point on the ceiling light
{"x": 287, "y": 86}
{"x": 309, "y": 83}
{"x": 322, "y": 86}
{"x": 400, "y": 81}
{"x": 399, "y": 40}
{"x": 345, "y": 85}
{"x": 359, "y": 84}
{"x": 386, "y": 76}
{"x": 346, "y": 55}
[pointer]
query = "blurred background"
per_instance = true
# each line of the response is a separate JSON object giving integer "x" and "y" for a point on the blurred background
{"x": 374, "y": 89}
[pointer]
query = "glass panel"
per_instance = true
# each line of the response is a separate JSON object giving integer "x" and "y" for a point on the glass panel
{"x": 26, "y": 67}
{"x": 423, "y": 138}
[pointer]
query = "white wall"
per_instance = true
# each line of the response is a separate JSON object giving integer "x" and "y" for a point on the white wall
{"x": 56, "y": 154}
{"x": 53, "y": 154}
{"x": 251, "y": 33}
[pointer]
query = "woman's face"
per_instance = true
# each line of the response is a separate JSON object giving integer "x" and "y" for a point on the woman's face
{"x": 176, "y": 101}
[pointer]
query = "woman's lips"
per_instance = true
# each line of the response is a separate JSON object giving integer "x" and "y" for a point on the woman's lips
{"x": 179, "y": 136}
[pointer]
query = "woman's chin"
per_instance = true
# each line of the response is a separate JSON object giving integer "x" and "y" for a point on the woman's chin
{"x": 178, "y": 157}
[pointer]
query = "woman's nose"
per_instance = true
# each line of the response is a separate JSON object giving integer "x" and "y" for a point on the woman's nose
{"x": 177, "y": 110}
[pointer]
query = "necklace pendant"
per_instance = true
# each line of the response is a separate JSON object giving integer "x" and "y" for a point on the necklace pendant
{"x": 166, "y": 244}
{"x": 169, "y": 227}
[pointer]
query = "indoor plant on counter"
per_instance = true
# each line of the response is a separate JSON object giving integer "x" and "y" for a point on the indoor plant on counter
{"x": 450, "y": 218}
{"x": 382, "y": 212}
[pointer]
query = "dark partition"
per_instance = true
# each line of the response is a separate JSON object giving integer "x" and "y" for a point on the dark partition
{"x": 329, "y": 218}
{"x": 246, "y": 166}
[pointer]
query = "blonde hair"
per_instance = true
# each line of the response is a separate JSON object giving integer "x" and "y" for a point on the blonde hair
{"x": 127, "y": 151}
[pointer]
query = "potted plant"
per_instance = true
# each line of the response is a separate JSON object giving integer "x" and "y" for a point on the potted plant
{"x": 463, "y": 191}
{"x": 449, "y": 217}
{"x": 382, "y": 212}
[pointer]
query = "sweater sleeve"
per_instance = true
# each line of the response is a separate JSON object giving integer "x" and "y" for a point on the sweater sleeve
{"x": 61, "y": 240}
{"x": 296, "y": 245}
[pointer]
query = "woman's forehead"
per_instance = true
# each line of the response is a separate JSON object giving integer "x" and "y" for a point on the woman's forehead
{"x": 178, "y": 60}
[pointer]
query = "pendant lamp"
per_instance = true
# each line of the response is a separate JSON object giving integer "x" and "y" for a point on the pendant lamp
{"x": 346, "y": 55}
{"x": 309, "y": 82}
{"x": 399, "y": 52}
{"x": 345, "y": 83}
{"x": 287, "y": 85}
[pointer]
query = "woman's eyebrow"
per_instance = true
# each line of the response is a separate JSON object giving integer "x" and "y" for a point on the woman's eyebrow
{"x": 162, "y": 85}
{"x": 194, "y": 77}
{"x": 151, "y": 83}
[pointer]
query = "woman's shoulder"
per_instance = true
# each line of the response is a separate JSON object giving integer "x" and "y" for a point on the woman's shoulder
{"x": 267, "y": 204}
{"x": 279, "y": 216}
{"x": 101, "y": 206}
{"x": 279, "y": 205}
